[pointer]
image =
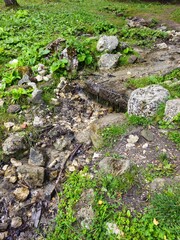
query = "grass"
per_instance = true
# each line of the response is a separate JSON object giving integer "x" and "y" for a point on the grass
{"x": 143, "y": 82}
{"x": 159, "y": 221}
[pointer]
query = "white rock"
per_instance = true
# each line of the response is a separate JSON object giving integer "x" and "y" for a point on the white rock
{"x": 162, "y": 46}
{"x": 145, "y": 101}
{"x": 71, "y": 168}
{"x": 133, "y": 139}
{"x": 144, "y": 146}
{"x": 15, "y": 162}
{"x": 38, "y": 122}
{"x": 107, "y": 43}
{"x": 16, "y": 222}
{"x": 8, "y": 125}
{"x": 108, "y": 61}
{"x": 1, "y": 103}
{"x": 130, "y": 145}
{"x": 39, "y": 78}
{"x": 112, "y": 228}
{"x": 172, "y": 109}
{"x": 21, "y": 193}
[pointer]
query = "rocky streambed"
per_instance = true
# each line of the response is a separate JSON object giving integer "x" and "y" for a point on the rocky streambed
{"x": 57, "y": 139}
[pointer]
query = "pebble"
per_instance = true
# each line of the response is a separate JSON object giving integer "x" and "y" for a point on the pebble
{"x": 16, "y": 222}
{"x": 21, "y": 193}
{"x": 144, "y": 146}
{"x": 133, "y": 139}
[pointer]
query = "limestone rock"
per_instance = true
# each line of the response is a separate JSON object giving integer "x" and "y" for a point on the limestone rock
{"x": 145, "y": 101}
{"x": 114, "y": 166}
{"x": 21, "y": 193}
{"x": 13, "y": 144}
{"x": 172, "y": 109}
{"x": 33, "y": 175}
{"x": 108, "y": 61}
{"x": 107, "y": 43}
{"x": 36, "y": 158}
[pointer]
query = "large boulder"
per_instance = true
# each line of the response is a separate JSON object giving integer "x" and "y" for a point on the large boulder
{"x": 108, "y": 61}
{"x": 172, "y": 109}
{"x": 145, "y": 101}
{"x": 13, "y": 144}
{"x": 107, "y": 43}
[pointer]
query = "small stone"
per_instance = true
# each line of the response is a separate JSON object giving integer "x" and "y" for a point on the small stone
{"x": 1, "y": 103}
{"x": 133, "y": 139}
{"x": 172, "y": 109}
{"x": 71, "y": 168}
{"x": 42, "y": 73}
{"x": 36, "y": 158}
{"x": 9, "y": 125}
{"x": 53, "y": 175}
{"x": 14, "y": 108}
{"x": 147, "y": 134}
{"x": 85, "y": 215}
{"x": 15, "y": 162}
{"x": 38, "y": 122}
{"x": 46, "y": 78}
{"x": 112, "y": 228}
{"x": 36, "y": 96}
{"x": 16, "y": 222}
{"x": 162, "y": 46}
{"x": 107, "y": 43}
{"x": 132, "y": 59}
{"x": 114, "y": 166}
{"x": 5, "y": 167}
{"x": 39, "y": 78}
{"x": 33, "y": 175}
{"x": 3, "y": 227}
{"x": 21, "y": 193}
{"x": 130, "y": 145}
{"x": 157, "y": 184}
{"x": 13, "y": 144}
{"x": 10, "y": 174}
{"x": 3, "y": 235}
{"x": 144, "y": 146}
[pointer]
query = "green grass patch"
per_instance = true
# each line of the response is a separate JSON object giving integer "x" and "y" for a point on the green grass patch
{"x": 159, "y": 221}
